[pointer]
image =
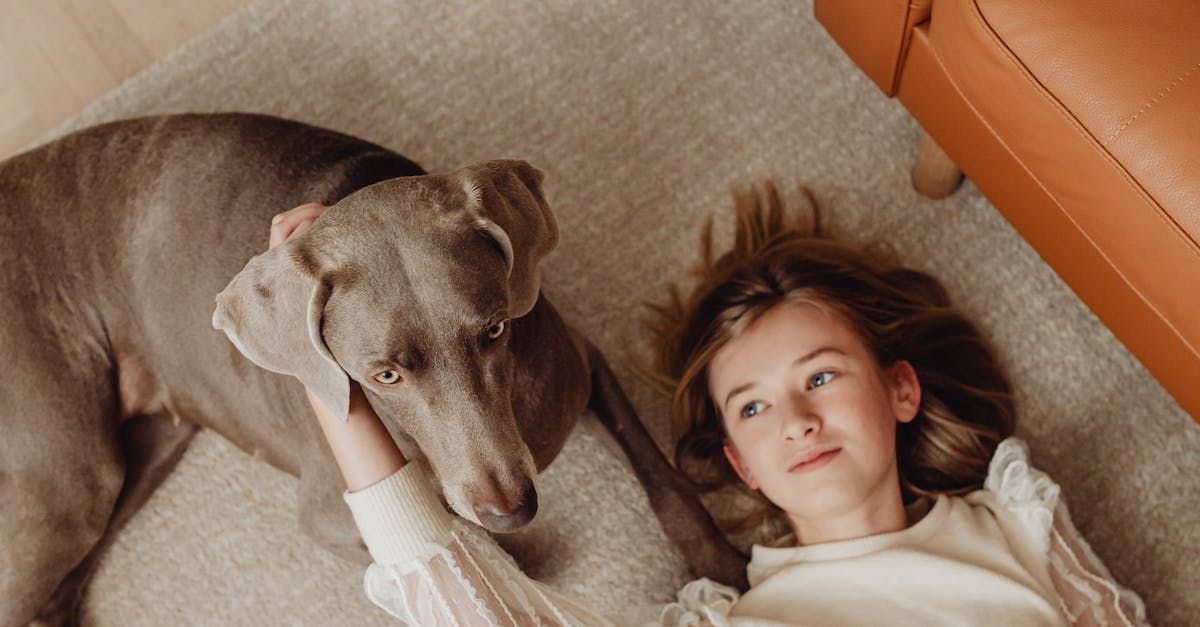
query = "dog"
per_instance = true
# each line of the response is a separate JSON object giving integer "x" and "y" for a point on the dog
{"x": 422, "y": 288}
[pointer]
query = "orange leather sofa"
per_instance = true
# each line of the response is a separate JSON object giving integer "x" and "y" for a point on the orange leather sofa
{"x": 1080, "y": 121}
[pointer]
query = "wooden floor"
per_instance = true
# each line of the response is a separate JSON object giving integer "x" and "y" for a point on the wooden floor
{"x": 58, "y": 55}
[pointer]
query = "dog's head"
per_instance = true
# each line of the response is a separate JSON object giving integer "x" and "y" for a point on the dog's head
{"x": 410, "y": 287}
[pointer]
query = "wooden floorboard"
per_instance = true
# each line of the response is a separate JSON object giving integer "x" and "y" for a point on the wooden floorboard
{"x": 58, "y": 55}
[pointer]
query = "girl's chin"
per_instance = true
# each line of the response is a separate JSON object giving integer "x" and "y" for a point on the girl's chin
{"x": 831, "y": 505}
{"x": 823, "y": 505}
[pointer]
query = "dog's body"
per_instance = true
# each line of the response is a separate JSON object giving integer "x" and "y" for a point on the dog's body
{"x": 113, "y": 243}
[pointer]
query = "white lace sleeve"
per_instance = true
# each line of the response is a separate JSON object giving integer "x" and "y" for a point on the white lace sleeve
{"x": 474, "y": 582}
{"x": 1088, "y": 593}
{"x": 470, "y": 581}
{"x": 433, "y": 569}
{"x": 701, "y": 603}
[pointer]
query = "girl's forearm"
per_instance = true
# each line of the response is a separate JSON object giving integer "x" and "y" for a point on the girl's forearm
{"x": 362, "y": 446}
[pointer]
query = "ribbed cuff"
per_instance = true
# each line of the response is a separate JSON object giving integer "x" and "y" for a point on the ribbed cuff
{"x": 400, "y": 516}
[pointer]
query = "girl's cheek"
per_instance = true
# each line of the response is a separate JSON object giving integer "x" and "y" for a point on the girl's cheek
{"x": 756, "y": 428}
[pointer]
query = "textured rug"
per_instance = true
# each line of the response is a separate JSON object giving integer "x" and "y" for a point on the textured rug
{"x": 642, "y": 115}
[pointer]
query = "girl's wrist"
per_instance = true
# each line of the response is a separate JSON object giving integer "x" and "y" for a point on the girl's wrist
{"x": 363, "y": 448}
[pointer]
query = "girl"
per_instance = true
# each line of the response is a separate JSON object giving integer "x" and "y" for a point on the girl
{"x": 836, "y": 384}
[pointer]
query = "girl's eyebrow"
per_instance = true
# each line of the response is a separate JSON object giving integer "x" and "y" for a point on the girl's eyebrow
{"x": 799, "y": 360}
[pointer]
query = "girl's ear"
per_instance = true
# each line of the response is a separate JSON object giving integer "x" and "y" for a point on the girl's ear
{"x": 735, "y": 460}
{"x": 906, "y": 391}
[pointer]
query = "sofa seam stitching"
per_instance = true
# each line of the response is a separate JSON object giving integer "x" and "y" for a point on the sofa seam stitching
{"x": 1192, "y": 247}
{"x": 1174, "y": 83}
{"x": 1054, "y": 199}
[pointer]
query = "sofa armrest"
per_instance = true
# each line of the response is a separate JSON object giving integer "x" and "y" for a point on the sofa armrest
{"x": 874, "y": 33}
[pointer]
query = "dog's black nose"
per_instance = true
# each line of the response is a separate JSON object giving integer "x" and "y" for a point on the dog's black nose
{"x": 502, "y": 516}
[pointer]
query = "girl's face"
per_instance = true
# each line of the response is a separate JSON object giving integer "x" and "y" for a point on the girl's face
{"x": 811, "y": 416}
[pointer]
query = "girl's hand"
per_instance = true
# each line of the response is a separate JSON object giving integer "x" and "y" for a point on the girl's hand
{"x": 362, "y": 446}
{"x": 293, "y": 222}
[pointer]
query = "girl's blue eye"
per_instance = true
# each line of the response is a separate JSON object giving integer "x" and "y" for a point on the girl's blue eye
{"x": 821, "y": 378}
{"x": 751, "y": 409}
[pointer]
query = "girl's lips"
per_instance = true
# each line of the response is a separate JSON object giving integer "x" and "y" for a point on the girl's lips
{"x": 817, "y": 462}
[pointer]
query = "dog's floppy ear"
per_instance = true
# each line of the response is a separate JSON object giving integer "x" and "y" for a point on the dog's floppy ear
{"x": 505, "y": 201}
{"x": 272, "y": 312}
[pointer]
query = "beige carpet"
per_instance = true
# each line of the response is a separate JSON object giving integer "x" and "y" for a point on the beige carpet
{"x": 642, "y": 116}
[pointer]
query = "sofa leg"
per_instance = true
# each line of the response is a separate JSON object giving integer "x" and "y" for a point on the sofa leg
{"x": 934, "y": 175}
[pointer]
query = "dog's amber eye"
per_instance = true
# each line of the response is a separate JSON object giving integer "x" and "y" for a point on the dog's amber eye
{"x": 496, "y": 330}
{"x": 388, "y": 377}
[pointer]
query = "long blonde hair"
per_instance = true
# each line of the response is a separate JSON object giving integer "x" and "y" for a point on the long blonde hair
{"x": 899, "y": 313}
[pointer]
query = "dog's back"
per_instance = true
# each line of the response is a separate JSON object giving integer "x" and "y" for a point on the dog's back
{"x": 115, "y": 240}
{"x": 113, "y": 243}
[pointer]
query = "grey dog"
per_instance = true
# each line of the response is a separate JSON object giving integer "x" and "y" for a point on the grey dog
{"x": 424, "y": 289}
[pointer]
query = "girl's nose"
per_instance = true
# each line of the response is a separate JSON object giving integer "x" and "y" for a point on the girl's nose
{"x": 799, "y": 420}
